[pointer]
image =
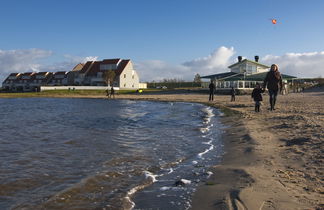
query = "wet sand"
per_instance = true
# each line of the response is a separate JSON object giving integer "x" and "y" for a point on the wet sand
{"x": 273, "y": 160}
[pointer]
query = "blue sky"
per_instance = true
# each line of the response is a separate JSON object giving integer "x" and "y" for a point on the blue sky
{"x": 165, "y": 34}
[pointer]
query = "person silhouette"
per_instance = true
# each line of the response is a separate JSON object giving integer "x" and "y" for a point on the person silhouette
{"x": 212, "y": 88}
{"x": 273, "y": 81}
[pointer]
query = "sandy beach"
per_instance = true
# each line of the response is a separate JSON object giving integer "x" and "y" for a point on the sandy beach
{"x": 273, "y": 159}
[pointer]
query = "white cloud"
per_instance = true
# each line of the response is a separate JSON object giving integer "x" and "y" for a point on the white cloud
{"x": 20, "y": 60}
{"x": 67, "y": 65}
{"x": 158, "y": 70}
{"x": 308, "y": 65}
{"x": 78, "y": 59}
{"x": 297, "y": 64}
{"x": 214, "y": 63}
{"x": 24, "y": 60}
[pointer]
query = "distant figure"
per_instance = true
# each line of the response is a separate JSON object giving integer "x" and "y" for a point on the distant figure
{"x": 232, "y": 94}
{"x": 107, "y": 93}
{"x": 273, "y": 81}
{"x": 212, "y": 88}
{"x": 257, "y": 96}
{"x": 112, "y": 92}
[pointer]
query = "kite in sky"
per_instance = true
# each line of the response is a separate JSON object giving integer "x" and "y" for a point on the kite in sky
{"x": 274, "y": 21}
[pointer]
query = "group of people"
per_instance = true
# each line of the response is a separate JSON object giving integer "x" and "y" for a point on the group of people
{"x": 272, "y": 81}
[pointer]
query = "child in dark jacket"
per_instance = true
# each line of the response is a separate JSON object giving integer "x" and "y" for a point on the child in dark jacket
{"x": 257, "y": 96}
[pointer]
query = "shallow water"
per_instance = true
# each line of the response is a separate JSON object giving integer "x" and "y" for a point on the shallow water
{"x": 96, "y": 154}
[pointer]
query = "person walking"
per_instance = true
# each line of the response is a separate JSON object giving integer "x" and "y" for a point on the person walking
{"x": 273, "y": 81}
{"x": 112, "y": 92}
{"x": 107, "y": 93}
{"x": 232, "y": 94}
{"x": 257, "y": 96}
{"x": 212, "y": 88}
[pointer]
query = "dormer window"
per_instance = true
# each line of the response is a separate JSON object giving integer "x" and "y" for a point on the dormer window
{"x": 105, "y": 67}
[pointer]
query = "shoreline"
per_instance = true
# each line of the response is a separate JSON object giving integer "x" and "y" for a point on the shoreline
{"x": 270, "y": 161}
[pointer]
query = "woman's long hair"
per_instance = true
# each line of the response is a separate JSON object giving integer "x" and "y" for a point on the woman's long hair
{"x": 275, "y": 70}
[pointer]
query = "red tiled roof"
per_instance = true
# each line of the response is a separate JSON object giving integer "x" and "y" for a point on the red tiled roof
{"x": 28, "y": 74}
{"x": 31, "y": 74}
{"x": 85, "y": 66}
{"x": 95, "y": 68}
{"x": 47, "y": 75}
{"x": 16, "y": 75}
{"x": 41, "y": 73}
{"x": 60, "y": 73}
{"x": 110, "y": 61}
{"x": 121, "y": 66}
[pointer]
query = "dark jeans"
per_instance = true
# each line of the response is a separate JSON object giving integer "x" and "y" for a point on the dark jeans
{"x": 273, "y": 97}
{"x": 257, "y": 106}
{"x": 211, "y": 95}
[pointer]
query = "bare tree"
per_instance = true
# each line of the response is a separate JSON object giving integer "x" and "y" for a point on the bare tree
{"x": 109, "y": 77}
{"x": 197, "y": 78}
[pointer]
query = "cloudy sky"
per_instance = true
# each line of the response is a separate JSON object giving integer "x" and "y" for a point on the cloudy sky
{"x": 164, "y": 39}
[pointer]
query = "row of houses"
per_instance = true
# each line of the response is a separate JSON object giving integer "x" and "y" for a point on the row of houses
{"x": 91, "y": 73}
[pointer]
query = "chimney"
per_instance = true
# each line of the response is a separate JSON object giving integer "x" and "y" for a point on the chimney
{"x": 239, "y": 58}
{"x": 256, "y": 58}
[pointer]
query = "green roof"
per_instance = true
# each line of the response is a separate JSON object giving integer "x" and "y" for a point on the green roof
{"x": 220, "y": 75}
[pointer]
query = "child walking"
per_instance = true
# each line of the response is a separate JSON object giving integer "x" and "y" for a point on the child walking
{"x": 257, "y": 96}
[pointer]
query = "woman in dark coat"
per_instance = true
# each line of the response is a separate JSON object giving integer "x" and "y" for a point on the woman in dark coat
{"x": 273, "y": 81}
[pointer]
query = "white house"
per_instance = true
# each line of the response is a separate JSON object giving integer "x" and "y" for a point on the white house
{"x": 244, "y": 74}
{"x": 92, "y": 73}
{"x": 248, "y": 67}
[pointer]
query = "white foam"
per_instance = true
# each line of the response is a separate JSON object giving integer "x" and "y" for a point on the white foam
{"x": 194, "y": 162}
{"x": 165, "y": 188}
{"x": 150, "y": 175}
{"x": 185, "y": 181}
{"x": 204, "y": 130}
{"x": 207, "y": 150}
{"x": 208, "y": 142}
{"x": 209, "y": 173}
{"x": 137, "y": 188}
{"x": 131, "y": 192}
{"x": 170, "y": 171}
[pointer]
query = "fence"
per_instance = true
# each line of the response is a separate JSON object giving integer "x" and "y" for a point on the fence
{"x": 173, "y": 84}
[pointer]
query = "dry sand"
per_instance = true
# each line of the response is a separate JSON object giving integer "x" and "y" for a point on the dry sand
{"x": 273, "y": 160}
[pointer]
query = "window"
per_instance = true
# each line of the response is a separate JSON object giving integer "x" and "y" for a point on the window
{"x": 133, "y": 77}
{"x": 125, "y": 85}
{"x": 108, "y": 67}
{"x": 133, "y": 85}
{"x": 124, "y": 75}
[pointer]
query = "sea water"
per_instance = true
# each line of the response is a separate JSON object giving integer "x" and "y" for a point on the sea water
{"x": 104, "y": 154}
